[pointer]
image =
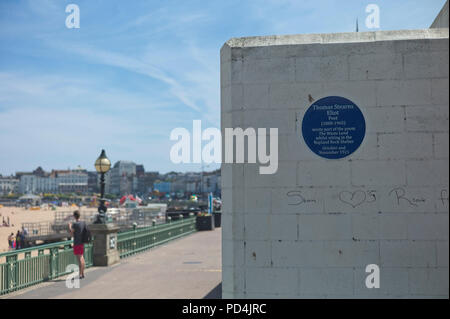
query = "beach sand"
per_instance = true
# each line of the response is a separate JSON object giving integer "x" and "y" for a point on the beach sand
{"x": 19, "y": 215}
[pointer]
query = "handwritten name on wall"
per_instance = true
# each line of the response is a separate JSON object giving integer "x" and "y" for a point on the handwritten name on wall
{"x": 398, "y": 195}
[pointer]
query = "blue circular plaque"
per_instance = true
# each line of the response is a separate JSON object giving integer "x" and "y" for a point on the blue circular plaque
{"x": 333, "y": 127}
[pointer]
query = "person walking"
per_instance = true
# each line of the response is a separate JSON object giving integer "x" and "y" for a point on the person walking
{"x": 22, "y": 240}
{"x": 76, "y": 229}
{"x": 11, "y": 241}
{"x": 18, "y": 242}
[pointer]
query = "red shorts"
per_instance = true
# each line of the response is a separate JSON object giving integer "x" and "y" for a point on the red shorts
{"x": 78, "y": 249}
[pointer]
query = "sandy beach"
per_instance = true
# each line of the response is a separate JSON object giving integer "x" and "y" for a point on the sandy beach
{"x": 19, "y": 215}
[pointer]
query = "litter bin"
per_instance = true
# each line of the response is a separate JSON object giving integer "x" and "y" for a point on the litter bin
{"x": 205, "y": 222}
{"x": 217, "y": 219}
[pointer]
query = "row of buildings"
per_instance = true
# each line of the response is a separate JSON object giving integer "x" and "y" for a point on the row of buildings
{"x": 76, "y": 180}
{"x": 124, "y": 177}
{"x": 191, "y": 183}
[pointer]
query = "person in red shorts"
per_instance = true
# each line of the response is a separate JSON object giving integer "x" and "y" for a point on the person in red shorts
{"x": 76, "y": 229}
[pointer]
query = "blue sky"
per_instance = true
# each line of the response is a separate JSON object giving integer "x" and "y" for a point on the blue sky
{"x": 135, "y": 70}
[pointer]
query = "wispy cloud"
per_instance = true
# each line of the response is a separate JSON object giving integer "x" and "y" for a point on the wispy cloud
{"x": 137, "y": 66}
{"x": 56, "y": 91}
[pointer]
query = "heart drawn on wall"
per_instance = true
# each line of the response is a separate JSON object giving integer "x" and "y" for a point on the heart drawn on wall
{"x": 353, "y": 199}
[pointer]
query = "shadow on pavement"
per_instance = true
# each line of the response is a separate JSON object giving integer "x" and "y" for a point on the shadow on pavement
{"x": 216, "y": 293}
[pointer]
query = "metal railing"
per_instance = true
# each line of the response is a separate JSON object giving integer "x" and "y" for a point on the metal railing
{"x": 38, "y": 228}
{"x": 140, "y": 217}
{"x": 25, "y": 267}
{"x": 58, "y": 229}
{"x": 64, "y": 217}
{"x": 134, "y": 241}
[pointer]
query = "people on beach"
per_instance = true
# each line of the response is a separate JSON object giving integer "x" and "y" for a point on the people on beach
{"x": 18, "y": 241}
{"x": 22, "y": 240}
{"x": 11, "y": 241}
{"x": 5, "y": 223}
{"x": 76, "y": 229}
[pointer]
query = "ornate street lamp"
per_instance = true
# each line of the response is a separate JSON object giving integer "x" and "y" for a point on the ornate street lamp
{"x": 102, "y": 165}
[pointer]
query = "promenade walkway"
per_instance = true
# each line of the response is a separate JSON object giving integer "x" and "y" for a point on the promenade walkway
{"x": 187, "y": 268}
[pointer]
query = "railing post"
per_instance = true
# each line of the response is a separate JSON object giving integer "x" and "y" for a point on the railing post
{"x": 134, "y": 239}
{"x": 104, "y": 248}
{"x": 88, "y": 254}
{"x": 193, "y": 220}
{"x": 53, "y": 263}
{"x": 11, "y": 274}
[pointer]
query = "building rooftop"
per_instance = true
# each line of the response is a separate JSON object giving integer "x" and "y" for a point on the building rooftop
{"x": 345, "y": 37}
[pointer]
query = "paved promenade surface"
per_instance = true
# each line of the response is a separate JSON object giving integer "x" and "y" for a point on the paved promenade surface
{"x": 189, "y": 267}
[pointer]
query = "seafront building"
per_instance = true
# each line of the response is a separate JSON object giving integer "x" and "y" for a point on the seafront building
{"x": 8, "y": 184}
{"x": 188, "y": 183}
{"x": 57, "y": 181}
{"x": 122, "y": 179}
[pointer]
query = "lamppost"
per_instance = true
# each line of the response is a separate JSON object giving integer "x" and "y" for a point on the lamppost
{"x": 102, "y": 165}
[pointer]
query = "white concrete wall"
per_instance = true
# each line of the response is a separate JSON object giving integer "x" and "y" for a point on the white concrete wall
{"x": 275, "y": 247}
